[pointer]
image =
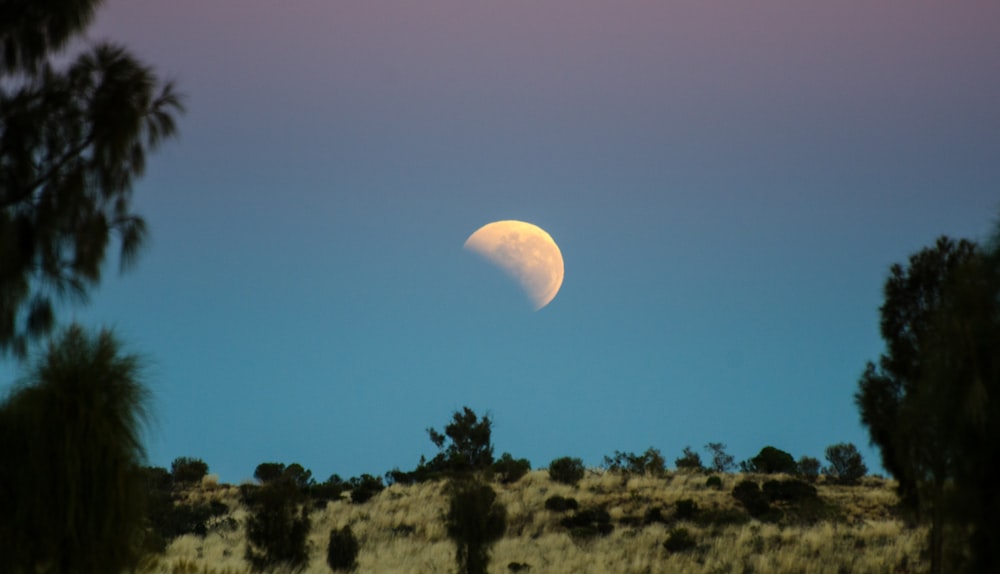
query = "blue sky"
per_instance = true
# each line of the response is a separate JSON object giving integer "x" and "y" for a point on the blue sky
{"x": 728, "y": 185}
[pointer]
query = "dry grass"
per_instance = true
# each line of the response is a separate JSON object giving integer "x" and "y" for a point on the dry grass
{"x": 402, "y": 531}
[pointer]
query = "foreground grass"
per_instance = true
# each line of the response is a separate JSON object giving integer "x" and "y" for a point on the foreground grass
{"x": 402, "y": 531}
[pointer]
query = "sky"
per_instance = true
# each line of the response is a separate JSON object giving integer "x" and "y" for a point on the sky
{"x": 728, "y": 183}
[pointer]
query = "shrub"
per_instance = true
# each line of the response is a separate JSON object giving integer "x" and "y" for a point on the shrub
{"x": 342, "y": 550}
{"x": 186, "y": 470}
{"x": 331, "y": 490}
{"x": 474, "y": 522}
{"x": 654, "y": 514}
{"x": 588, "y": 523}
{"x": 808, "y": 468}
{"x": 714, "y": 482}
{"x": 689, "y": 460}
{"x": 649, "y": 462}
{"x": 679, "y": 540}
{"x": 770, "y": 460}
{"x": 686, "y": 509}
{"x": 721, "y": 460}
{"x": 277, "y": 527}
{"x": 364, "y": 487}
{"x": 789, "y": 490}
{"x": 268, "y": 472}
{"x": 748, "y": 493}
{"x": 846, "y": 464}
{"x": 561, "y": 504}
{"x": 566, "y": 470}
{"x": 508, "y": 470}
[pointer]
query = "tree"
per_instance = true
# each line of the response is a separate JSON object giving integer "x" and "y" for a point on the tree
{"x": 186, "y": 470}
{"x": 905, "y": 404}
{"x": 72, "y": 143}
{"x": 846, "y": 464}
{"x": 567, "y": 470}
{"x": 770, "y": 460}
{"x": 469, "y": 447}
{"x": 808, "y": 467}
{"x": 474, "y": 522}
{"x": 342, "y": 550}
{"x": 277, "y": 525}
{"x": 689, "y": 460}
{"x": 71, "y": 483}
{"x": 721, "y": 460}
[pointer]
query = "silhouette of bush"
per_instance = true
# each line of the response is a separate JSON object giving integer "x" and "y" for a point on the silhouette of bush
{"x": 588, "y": 523}
{"x": 475, "y": 521}
{"x": 184, "y": 470}
{"x": 566, "y": 470}
{"x": 463, "y": 447}
{"x": 654, "y": 515}
{"x": 721, "y": 460}
{"x": 650, "y": 462}
{"x": 748, "y": 493}
{"x": 789, "y": 490}
{"x": 686, "y": 509}
{"x": 714, "y": 482}
{"x": 770, "y": 460}
{"x": 331, "y": 490}
{"x": 269, "y": 472}
{"x": 846, "y": 465}
{"x": 561, "y": 504}
{"x": 689, "y": 460}
{"x": 679, "y": 540}
{"x": 364, "y": 487}
{"x": 808, "y": 468}
{"x": 508, "y": 470}
{"x": 276, "y": 526}
{"x": 342, "y": 550}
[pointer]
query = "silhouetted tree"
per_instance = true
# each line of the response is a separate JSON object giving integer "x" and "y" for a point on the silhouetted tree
{"x": 474, "y": 522}
{"x": 567, "y": 470}
{"x": 808, "y": 468}
{"x": 901, "y": 400}
{"x": 277, "y": 525}
{"x": 71, "y": 483}
{"x": 72, "y": 143}
{"x": 468, "y": 442}
{"x": 689, "y": 460}
{"x": 185, "y": 470}
{"x": 650, "y": 462}
{"x": 342, "y": 550}
{"x": 508, "y": 470}
{"x": 846, "y": 464}
{"x": 721, "y": 460}
{"x": 770, "y": 460}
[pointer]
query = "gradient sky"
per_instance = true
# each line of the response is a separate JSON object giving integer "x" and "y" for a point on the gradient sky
{"x": 728, "y": 183}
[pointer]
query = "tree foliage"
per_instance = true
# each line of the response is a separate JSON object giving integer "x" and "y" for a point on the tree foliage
{"x": 71, "y": 483}
{"x": 474, "y": 522}
{"x": 567, "y": 470}
{"x": 650, "y": 462}
{"x": 846, "y": 464}
{"x": 722, "y": 461}
{"x": 277, "y": 525}
{"x": 929, "y": 403}
{"x": 770, "y": 460}
{"x": 72, "y": 143}
{"x": 689, "y": 460}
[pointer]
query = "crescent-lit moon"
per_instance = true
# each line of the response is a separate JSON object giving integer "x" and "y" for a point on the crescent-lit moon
{"x": 526, "y": 253}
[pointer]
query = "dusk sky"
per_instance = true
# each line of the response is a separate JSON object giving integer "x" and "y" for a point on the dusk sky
{"x": 728, "y": 182}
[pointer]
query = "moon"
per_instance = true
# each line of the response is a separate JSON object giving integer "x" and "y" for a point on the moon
{"x": 526, "y": 253}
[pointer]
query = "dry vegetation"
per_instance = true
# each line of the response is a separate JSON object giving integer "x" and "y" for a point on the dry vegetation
{"x": 402, "y": 531}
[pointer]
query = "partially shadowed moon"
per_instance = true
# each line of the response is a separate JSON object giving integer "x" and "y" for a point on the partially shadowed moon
{"x": 525, "y": 252}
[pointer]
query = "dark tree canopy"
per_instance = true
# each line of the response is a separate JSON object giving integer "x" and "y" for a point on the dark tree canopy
{"x": 475, "y": 520}
{"x": 72, "y": 143}
{"x": 929, "y": 404}
{"x": 71, "y": 481}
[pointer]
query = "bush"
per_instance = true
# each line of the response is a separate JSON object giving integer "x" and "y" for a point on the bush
{"x": 364, "y": 487}
{"x": 686, "y": 509}
{"x": 679, "y": 540}
{"x": 324, "y": 492}
{"x": 721, "y": 460}
{"x": 808, "y": 468}
{"x": 654, "y": 514}
{"x": 508, "y": 470}
{"x": 846, "y": 464}
{"x": 649, "y": 462}
{"x": 277, "y": 526}
{"x": 748, "y": 493}
{"x": 561, "y": 504}
{"x": 770, "y": 460}
{"x": 714, "y": 482}
{"x": 342, "y": 550}
{"x": 689, "y": 460}
{"x": 268, "y": 472}
{"x": 588, "y": 523}
{"x": 789, "y": 490}
{"x": 566, "y": 470}
{"x": 186, "y": 470}
{"x": 474, "y": 522}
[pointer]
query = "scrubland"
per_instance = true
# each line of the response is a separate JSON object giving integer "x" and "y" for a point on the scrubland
{"x": 854, "y": 529}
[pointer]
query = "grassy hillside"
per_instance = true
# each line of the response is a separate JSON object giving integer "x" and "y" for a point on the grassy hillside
{"x": 401, "y": 530}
